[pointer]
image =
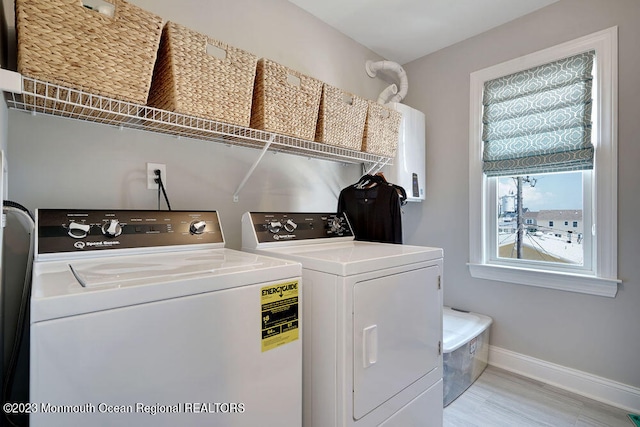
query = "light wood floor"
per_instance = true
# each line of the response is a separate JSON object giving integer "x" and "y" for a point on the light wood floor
{"x": 500, "y": 398}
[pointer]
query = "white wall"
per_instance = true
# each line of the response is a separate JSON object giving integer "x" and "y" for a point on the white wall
{"x": 593, "y": 334}
{"x": 55, "y": 162}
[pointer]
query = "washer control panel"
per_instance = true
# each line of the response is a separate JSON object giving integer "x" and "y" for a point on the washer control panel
{"x": 280, "y": 226}
{"x": 73, "y": 230}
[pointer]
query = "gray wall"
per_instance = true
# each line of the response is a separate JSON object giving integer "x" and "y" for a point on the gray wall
{"x": 55, "y": 162}
{"x": 593, "y": 334}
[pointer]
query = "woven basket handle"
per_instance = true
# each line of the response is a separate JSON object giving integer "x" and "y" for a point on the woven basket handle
{"x": 384, "y": 113}
{"x": 106, "y": 8}
{"x": 347, "y": 98}
{"x": 216, "y": 49}
{"x": 294, "y": 80}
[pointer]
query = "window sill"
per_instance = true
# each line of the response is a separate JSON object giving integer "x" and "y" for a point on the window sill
{"x": 547, "y": 279}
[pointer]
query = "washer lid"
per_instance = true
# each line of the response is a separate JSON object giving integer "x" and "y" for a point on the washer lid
{"x": 354, "y": 257}
{"x": 122, "y": 272}
{"x": 63, "y": 289}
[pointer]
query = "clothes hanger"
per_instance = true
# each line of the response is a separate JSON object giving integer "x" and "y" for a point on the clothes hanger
{"x": 369, "y": 181}
{"x": 380, "y": 178}
{"x": 366, "y": 181}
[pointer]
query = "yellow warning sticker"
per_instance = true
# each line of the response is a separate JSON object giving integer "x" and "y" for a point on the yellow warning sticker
{"x": 279, "y": 305}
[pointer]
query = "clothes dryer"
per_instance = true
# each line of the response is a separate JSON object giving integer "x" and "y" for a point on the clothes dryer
{"x": 143, "y": 318}
{"x": 372, "y": 321}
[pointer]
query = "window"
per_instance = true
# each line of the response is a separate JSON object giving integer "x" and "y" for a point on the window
{"x": 571, "y": 150}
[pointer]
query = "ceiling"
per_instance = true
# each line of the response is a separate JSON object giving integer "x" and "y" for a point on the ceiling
{"x": 404, "y": 30}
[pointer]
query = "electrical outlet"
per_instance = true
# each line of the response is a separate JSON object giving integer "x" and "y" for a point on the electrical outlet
{"x": 151, "y": 175}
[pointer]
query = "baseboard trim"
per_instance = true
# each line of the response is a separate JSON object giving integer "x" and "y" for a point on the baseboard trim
{"x": 582, "y": 383}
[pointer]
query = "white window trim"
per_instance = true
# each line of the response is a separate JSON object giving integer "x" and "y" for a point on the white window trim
{"x": 602, "y": 280}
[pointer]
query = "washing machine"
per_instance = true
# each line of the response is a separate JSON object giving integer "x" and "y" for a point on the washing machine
{"x": 143, "y": 318}
{"x": 372, "y": 321}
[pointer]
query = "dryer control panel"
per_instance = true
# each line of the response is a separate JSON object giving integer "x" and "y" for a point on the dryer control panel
{"x": 282, "y": 226}
{"x": 74, "y": 230}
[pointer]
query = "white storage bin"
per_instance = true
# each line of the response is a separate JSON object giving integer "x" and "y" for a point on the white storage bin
{"x": 465, "y": 350}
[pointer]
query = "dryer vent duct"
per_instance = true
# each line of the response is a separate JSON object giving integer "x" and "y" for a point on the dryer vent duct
{"x": 391, "y": 93}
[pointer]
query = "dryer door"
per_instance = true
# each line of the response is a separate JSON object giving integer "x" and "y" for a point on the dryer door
{"x": 397, "y": 327}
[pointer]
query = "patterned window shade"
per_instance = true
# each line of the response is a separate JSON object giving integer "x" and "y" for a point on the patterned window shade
{"x": 539, "y": 120}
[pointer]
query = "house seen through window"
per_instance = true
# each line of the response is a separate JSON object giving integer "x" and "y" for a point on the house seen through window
{"x": 540, "y": 218}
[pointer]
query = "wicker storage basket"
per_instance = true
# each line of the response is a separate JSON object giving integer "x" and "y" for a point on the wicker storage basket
{"x": 285, "y": 101}
{"x": 199, "y": 76}
{"x": 341, "y": 118}
{"x": 63, "y": 42}
{"x": 381, "y": 130}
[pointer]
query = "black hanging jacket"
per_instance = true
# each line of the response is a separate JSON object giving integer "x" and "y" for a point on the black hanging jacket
{"x": 374, "y": 212}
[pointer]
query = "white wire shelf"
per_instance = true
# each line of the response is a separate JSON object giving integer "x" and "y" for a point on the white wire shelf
{"x": 46, "y": 98}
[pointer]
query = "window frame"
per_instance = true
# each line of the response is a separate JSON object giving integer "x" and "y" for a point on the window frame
{"x": 601, "y": 276}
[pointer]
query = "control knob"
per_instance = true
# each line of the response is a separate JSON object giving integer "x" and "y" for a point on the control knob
{"x": 290, "y": 226}
{"x": 335, "y": 225}
{"x": 197, "y": 227}
{"x": 112, "y": 228}
{"x": 78, "y": 230}
{"x": 274, "y": 226}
